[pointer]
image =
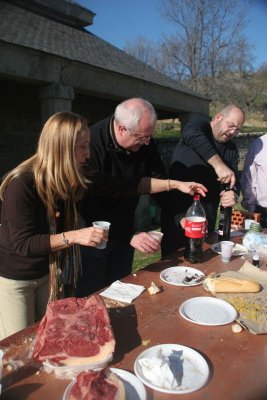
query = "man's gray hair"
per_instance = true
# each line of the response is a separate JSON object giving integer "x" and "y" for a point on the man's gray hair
{"x": 130, "y": 112}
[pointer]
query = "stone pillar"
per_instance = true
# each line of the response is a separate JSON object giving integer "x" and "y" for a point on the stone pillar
{"x": 54, "y": 98}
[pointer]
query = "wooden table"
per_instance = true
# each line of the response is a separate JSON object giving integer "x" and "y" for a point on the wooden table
{"x": 237, "y": 361}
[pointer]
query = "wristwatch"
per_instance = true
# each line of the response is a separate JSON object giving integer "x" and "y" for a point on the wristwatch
{"x": 65, "y": 240}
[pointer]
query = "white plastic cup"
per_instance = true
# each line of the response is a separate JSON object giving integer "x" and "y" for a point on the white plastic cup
{"x": 156, "y": 235}
{"x": 227, "y": 250}
{"x": 102, "y": 225}
{"x": 248, "y": 222}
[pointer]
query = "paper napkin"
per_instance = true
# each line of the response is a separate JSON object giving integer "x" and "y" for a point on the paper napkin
{"x": 125, "y": 292}
{"x": 158, "y": 372}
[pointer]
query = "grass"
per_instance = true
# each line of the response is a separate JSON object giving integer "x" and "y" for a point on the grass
{"x": 141, "y": 260}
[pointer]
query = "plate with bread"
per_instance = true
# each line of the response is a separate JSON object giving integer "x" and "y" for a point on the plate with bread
{"x": 182, "y": 276}
{"x": 112, "y": 383}
{"x": 208, "y": 311}
{"x": 238, "y": 249}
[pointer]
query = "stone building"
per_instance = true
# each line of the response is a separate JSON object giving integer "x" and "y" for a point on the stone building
{"x": 51, "y": 62}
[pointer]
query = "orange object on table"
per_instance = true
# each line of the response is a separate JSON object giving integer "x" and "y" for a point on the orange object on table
{"x": 238, "y": 218}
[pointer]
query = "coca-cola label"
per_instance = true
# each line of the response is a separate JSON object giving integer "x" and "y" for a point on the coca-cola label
{"x": 195, "y": 227}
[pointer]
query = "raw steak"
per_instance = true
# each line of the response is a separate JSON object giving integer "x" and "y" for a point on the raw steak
{"x": 75, "y": 331}
{"x": 97, "y": 385}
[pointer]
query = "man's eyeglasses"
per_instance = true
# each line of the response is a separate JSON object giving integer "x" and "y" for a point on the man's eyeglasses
{"x": 139, "y": 139}
{"x": 143, "y": 140}
{"x": 232, "y": 127}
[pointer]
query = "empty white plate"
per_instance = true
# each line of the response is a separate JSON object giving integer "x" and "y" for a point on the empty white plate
{"x": 208, "y": 311}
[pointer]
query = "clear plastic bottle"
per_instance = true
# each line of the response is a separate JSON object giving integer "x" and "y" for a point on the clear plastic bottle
{"x": 253, "y": 238}
{"x": 195, "y": 231}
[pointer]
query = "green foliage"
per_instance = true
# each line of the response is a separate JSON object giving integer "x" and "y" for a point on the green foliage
{"x": 141, "y": 260}
{"x": 252, "y": 129}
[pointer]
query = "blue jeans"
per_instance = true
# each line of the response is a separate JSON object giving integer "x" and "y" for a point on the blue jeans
{"x": 102, "y": 267}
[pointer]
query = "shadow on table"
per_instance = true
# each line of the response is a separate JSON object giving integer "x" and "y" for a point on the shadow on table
{"x": 124, "y": 323}
{"x": 19, "y": 392}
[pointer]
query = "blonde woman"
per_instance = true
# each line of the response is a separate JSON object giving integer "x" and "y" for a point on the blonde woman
{"x": 39, "y": 225}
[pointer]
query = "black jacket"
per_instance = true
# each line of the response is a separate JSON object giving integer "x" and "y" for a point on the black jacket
{"x": 189, "y": 162}
{"x": 109, "y": 159}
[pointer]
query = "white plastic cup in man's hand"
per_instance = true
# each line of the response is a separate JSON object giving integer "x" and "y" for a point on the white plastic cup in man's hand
{"x": 227, "y": 250}
{"x": 102, "y": 225}
{"x": 156, "y": 235}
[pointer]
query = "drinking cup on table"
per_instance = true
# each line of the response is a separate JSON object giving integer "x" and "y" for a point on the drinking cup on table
{"x": 156, "y": 235}
{"x": 227, "y": 250}
{"x": 248, "y": 222}
{"x": 103, "y": 225}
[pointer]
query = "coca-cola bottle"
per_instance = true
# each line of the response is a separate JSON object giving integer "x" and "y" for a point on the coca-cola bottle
{"x": 225, "y": 216}
{"x": 195, "y": 231}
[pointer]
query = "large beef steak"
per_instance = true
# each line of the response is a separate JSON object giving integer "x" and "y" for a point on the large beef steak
{"x": 75, "y": 331}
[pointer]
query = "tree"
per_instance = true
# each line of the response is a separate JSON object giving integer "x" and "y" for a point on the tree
{"x": 209, "y": 46}
{"x": 207, "y": 51}
{"x": 147, "y": 51}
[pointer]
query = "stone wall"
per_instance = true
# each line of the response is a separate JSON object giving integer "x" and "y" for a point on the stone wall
{"x": 19, "y": 123}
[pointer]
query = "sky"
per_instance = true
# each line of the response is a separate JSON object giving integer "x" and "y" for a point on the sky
{"x": 122, "y": 21}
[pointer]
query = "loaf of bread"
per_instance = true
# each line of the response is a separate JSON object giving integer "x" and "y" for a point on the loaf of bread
{"x": 230, "y": 285}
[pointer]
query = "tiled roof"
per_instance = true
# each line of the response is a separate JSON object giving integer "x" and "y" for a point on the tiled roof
{"x": 24, "y": 28}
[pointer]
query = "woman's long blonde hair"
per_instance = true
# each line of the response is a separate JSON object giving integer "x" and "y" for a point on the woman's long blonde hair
{"x": 54, "y": 166}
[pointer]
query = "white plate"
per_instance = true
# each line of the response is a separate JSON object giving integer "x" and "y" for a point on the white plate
{"x": 208, "y": 311}
{"x": 134, "y": 388}
{"x": 189, "y": 367}
{"x": 176, "y": 276}
{"x": 238, "y": 249}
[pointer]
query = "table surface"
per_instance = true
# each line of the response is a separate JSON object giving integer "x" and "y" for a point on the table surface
{"x": 237, "y": 361}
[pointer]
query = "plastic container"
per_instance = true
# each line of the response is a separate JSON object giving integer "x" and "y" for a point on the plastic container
{"x": 252, "y": 239}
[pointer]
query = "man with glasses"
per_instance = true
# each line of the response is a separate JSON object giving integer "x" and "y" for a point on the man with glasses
{"x": 206, "y": 153}
{"x": 120, "y": 145}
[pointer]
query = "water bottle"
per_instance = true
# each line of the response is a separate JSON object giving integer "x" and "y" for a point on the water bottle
{"x": 252, "y": 240}
{"x": 195, "y": 231}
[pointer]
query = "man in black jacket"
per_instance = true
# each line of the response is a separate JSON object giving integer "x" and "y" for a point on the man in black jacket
{"x": 120, "y": 145}
{"x": 206, "y": 154}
